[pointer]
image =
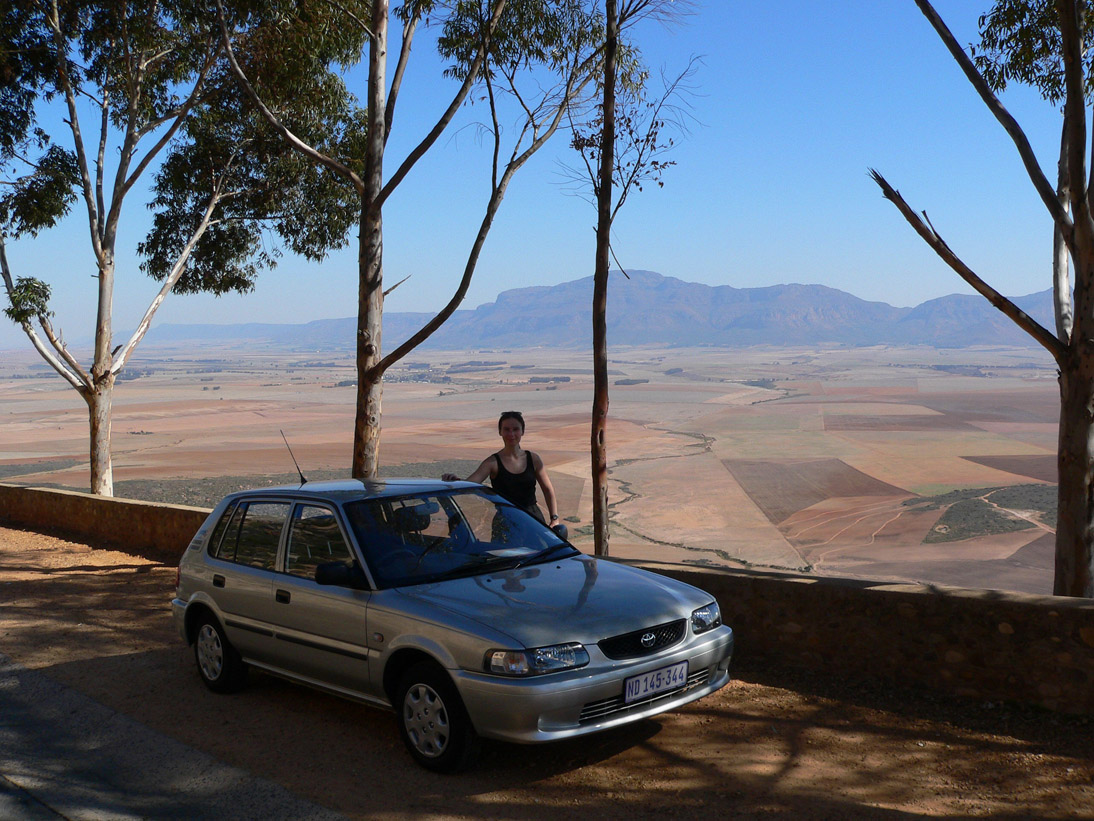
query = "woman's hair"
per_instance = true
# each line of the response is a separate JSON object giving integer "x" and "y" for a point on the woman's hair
{"x": 511, "y": 415}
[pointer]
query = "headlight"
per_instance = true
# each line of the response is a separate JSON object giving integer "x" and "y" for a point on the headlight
{"x": 706, "y": 618}
{"x": 536, "y": 661}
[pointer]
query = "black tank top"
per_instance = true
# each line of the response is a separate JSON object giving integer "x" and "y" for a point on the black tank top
{"x": 518, "y": 488}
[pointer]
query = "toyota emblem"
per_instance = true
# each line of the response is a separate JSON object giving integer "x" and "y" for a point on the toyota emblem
{"x": 648, "y": 639}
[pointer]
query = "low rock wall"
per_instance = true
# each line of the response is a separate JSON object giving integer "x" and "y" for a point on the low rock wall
{"x": 983, "y": 644}
{"x": 987, "y": 645}
{"x": 154, "y": 531}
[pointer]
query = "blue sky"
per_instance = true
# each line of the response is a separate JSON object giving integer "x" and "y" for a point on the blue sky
{"x": 794, "y": 102}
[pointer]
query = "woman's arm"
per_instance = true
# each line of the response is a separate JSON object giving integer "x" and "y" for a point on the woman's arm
{"x": 480, "y": 474}
{"x": 547, "y": 488}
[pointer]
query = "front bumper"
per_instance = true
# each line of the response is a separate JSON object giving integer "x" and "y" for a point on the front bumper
{"x": 557, "y": 706}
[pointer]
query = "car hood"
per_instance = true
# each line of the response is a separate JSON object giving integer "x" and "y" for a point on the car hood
{"x": 575, "y": 599}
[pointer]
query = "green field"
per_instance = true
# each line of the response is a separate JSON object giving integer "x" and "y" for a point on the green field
{"x": 973, "y": 512}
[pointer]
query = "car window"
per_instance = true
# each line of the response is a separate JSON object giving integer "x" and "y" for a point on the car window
{"x": 216, "y": 539}
{"x": 314, "y": 538}
{"x": 416, "y": 539}
{"x": 253, "y": 534}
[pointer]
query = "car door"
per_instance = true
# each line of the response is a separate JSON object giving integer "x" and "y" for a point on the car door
{"x": 242, "y": 580}
{"x": 320, "y": 629}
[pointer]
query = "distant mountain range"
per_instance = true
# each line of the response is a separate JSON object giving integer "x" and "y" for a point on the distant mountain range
{"x": 648, "y": 308}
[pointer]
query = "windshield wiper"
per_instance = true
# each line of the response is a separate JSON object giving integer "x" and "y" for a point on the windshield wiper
{"x": 470, "y": 569}
{"x": 542, "y": 554}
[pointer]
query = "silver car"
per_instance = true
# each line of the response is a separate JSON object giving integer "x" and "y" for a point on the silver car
{"x": 445, "y": 603}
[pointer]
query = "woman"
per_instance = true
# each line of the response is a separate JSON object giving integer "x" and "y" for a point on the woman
{"x": 514, "y": 472}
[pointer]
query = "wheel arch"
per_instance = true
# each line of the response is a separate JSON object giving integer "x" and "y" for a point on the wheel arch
{"x": 401, "y": 661}
{"x": 195, "y": 613}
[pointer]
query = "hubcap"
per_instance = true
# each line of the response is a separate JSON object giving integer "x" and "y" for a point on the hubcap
{"x": 210, "y": 652}
{"x": 426, "y": 720}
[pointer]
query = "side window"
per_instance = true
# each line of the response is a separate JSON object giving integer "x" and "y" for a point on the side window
{"x": 217, "y": 540}
{"x": 259, "y": 531}
{"x": 314, "y": 538}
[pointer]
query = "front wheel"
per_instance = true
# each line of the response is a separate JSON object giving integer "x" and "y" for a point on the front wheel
{"x": 432, "y": 720}
{"x": 219, "y": 663}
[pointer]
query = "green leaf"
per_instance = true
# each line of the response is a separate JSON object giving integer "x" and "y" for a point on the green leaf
{"x": 29, "y": 299}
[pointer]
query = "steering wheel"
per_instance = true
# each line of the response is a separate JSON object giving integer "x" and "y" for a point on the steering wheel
{"x": 407, "y": 558}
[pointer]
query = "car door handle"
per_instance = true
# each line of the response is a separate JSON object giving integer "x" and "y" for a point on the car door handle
{"x": 282, "y": 596}
{"x": 218, "y": 580}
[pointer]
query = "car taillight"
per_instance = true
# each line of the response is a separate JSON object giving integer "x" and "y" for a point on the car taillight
{"x": 178, "y": 577}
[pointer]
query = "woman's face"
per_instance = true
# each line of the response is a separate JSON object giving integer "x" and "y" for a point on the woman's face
{"x": 510, "y": 431}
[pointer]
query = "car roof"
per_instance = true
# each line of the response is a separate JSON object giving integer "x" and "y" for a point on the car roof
{"x": 347, "y": 490}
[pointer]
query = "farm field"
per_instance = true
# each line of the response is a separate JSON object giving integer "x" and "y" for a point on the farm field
{"x": 839, "y": 461}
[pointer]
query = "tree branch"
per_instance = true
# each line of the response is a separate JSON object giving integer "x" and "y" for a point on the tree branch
{"x": 1075, "y": 119}
{"x": 578, "y": 78}
{"x": 360, "y": 23}
{"x": 295, "y": 142}
{"x": 72, "y": 378}
{"x": 400, "y": 69}
{"x": 430, "y": 138}
{"x": 1018, "y": 137}
{"x": 65, "y": 83}
{"x": 1063, "y": 310}
{"x": 923, "y": 227}
{"x": 173, "y": 276}
{"x": 396, "y": 285}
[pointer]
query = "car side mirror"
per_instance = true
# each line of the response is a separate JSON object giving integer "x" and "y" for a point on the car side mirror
{"x": 562, "y": 532}
{"x": 341, "y": 574}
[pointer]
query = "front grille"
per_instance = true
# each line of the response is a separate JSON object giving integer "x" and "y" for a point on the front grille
{"x": 608, "y": 707}
{"x": 629, "y": 645}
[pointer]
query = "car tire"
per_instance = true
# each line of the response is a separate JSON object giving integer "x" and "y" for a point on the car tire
{"x": 219, "y": 663}
{"x": 433, "y": 721}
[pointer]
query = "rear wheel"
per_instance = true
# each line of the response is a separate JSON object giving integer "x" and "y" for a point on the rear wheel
{"x": 219, "y": 663}
{"x": 432, "y": 720}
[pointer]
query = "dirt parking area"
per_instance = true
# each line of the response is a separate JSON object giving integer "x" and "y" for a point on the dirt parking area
{"x": 772, "y": 744}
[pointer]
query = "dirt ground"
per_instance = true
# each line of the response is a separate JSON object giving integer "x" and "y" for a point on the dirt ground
{"x": 774, "y": 743}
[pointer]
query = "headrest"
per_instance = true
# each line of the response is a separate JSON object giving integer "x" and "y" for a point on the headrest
{"x": 412, "y": 519}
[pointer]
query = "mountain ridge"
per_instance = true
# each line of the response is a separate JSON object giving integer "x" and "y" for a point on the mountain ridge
{"x": 646, "y": 307}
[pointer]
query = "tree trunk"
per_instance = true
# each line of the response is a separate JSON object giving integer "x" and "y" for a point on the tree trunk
{"x": 100, "y": 402}
{"x": 100, "y": 395}
{"x": 1075, "y": 513}
{"x": 598, "y": 445}
{"x": 1061, "y": 282}
{"x": 370, "y": 295}
{"x": 370, "y": 384}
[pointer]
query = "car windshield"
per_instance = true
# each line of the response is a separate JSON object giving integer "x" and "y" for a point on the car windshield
{"x": 430, "y": 536}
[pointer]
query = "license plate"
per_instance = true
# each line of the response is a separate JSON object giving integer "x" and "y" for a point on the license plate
{"x": 654, "y": 682}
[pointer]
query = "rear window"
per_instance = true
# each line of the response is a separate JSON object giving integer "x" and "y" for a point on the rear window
{"x": 218, "y": 531}
{"x": 251, "y": 534}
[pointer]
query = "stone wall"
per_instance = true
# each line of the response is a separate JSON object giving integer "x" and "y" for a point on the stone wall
{"x": 157, "y": 532}
{"x": 983, "y": 644}
{"x": 987, "y": 645}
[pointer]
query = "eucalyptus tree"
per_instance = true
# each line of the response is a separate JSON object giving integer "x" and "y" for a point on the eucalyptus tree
{"x": 1045, "y": 45}
{"x": 1020, "y": 42}
{"x": 147, "y": 79}
{"x": 621, "y": 147}
{"x": 490, "y": 45}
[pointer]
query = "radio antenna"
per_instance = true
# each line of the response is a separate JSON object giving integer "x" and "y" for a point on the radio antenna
{"x": 303, "y": 481}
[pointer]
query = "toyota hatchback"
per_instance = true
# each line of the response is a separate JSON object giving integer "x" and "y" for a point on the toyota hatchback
{"x": 443, "y": 602}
